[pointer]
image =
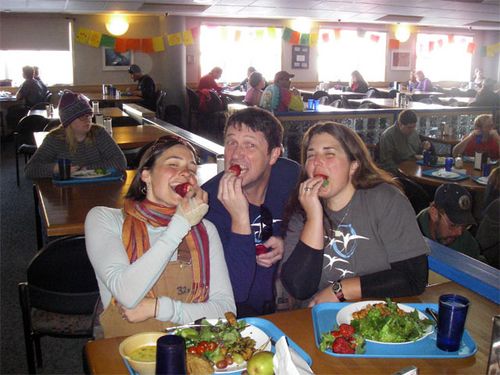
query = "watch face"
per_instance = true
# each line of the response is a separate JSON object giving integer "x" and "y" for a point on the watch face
{"x": 336, "y": 287}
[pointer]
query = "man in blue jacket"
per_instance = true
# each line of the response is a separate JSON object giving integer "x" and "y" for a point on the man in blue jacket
{"x": 246, "y": 205}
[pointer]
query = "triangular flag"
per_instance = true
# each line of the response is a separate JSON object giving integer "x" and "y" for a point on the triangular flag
{"x": 484, "y": 51}
{"x": 271, "y": 32}
{"x": 325, "y": 37}
{"x": 313, "y": 40}
{"x": 393, "y": 44}
{"x": 223, "y": 32}
{"x": 295, "y": 37}
{"x": 431, "y": 46}
{"x": 451, "y": 38}
{"x": 187, "y": 37}
{"x": 134, "y": 44}
{"x": 121, "y": 45}
{"x": 471, "y": 47}
{"x": 440, "y": 43}
{"x": 174, "y": 39}
{"x": 374, "y": 38}
{"x": 304, "y": 39}
{"x": 147, "y": 45}
{"x": 95, "y": 38}
{"x": 108, "y": 41}
{"x": 259, "y": 34}
{"x": 489, "y": 51}
{"x": 237, "y": 35}
{"x": 158, "y": 44}
{"x": 82, "y": 36}
{"x": 195, "y": 31}
{"x": 287, "y": 34}
{"x": 337, "y": 34}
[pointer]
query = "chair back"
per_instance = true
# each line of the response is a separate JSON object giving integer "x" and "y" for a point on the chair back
{"x": 373, "y": 93}
{"x": 52, "y": 124}
{"x": 61, "y": 278}
{"x": 415, "y": 193}
{"x": 41, "y": 105}
{"x": 392, "y": 93}
{"x": 124, "y": 121}
{"x": 161, "y": 103}
{"x": 368, "y": 105}
{"x": 193, "y": 99}
{"x": 48, "y": 97}
{"x": 25, "y": 128}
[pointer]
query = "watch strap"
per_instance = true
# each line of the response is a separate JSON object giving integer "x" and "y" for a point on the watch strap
{"x": 337, "y": 290}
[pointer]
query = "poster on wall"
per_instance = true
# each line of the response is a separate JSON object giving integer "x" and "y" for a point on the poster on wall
{"x": 400, "y": 60}
{"x": 112, "y": 60}
{"x": 300, "y": 57}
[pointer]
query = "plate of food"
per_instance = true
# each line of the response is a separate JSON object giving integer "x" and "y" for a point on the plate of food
{"x": 445, "y": 174}
{"x": 224, "y": 344}
{"x": 386, "y": 322}
{"x": 91, "y": 173}
{"x": 482, "y": 180}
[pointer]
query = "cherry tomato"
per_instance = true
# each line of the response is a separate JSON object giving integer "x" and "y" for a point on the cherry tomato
{"x": 193, "y": 350}
{"x": 203, "y": 345}
{"x": 221, "y": 364}
{"x": 212, "y": 345}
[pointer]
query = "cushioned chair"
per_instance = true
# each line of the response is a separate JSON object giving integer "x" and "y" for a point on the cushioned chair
{"x": 60, "y": 297}
{"x": 415, "y": 193}
{"x": 23, "y": 137}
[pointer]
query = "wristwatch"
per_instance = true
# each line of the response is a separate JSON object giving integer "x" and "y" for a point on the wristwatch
{"x": 337, "y": 290}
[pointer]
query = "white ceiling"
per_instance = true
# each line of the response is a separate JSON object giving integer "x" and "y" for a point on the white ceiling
{"x": 482, "y": 14}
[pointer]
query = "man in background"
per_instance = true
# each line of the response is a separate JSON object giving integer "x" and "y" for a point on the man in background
{"x": 145, "y": 87}
{"x": 31, "y": 90}
{"x": 36, "y": 76}
{"x": 448, "y": 219}
{"x": 279, "y": 97}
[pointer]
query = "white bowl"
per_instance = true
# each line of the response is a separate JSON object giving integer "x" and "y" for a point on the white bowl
{"x": 137, "y": 341}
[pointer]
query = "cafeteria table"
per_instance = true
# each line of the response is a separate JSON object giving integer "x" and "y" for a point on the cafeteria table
{"x": 99, "y": 97}
{"x": 391, "y": 103}
{"x": 102, "y": 356}
{"x": 106, "y": 112}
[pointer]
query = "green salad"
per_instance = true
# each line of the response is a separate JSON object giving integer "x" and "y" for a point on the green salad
{"x": 100, "y": 171}
{"x": 385, "y": 322}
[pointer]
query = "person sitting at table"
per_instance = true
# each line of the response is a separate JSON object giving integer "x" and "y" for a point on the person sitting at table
{"x": 244, "y": 85}
{"x": 31, "y": 91}
{"x": 358, "y": 83}
{"x": 484, "y": 138}
{"x": 278, "y": 97}
{"x": 352, "y": 232}
{"x": 156, "y": 260}
{"x": 36, "y": 76}
{"x": 412, "y": 82}
{"x": 400, "y": 142}
{"x": 247, "y": 209}
{"x": 478, "y": 77}
{"x": 448, "y": 218}
{"x": 488, "y": 234}
{"x": 146, "y": 88}
{"x": 485, "y": 96}
{"x": 87, "y": 145}
{"x": 208, "y": 81}
{"x": 254, "y": 93}
{"x": 423, "y": 83}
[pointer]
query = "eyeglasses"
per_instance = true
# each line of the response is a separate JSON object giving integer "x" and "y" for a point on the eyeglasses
{"x": 266, "y": 224}
{"x": 452, "y": 225}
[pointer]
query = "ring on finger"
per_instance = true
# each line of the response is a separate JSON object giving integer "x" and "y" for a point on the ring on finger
{"x": 307, "y": 188}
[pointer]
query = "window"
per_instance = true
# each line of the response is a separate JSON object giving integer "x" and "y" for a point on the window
{"x": 55, "y": 65}
{"x": 444, "y": 58}
{"x": 342, "y": 51}
{"x": 235, "y": 48}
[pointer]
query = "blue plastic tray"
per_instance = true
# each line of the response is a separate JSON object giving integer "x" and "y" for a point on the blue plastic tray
{"x": 115, "y": 175}
{"x": 271, "y": 330}
{"x": 421, "y": 162}
{"x": 429, "y": 173}
{"x": 325, "y": 318}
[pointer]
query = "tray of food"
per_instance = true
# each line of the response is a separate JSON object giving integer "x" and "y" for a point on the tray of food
{"x": 381, "y": 329}
{"x": 85, "y": 176}
{"x": 445, "y": 175}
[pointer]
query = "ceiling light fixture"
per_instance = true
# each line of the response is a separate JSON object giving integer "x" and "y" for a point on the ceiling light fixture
{"x": 117, "y": 24}
{"x": 402, "y": 32}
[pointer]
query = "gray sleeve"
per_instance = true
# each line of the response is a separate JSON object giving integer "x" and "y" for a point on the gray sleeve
{"x": 41, "y": 164}
{"x": 220, "y": 299}
{"x": 398, "y": 230}
{"x": 293, "y": 233}
{"x": 111, "y": 156}
{"x": 387, "y": 151}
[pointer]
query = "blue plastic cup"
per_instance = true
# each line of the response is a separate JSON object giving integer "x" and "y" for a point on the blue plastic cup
{"x": 310, "y": 103}
{"x": 486, "y": 167}
{"x": 316, "y": 104}
{"x": 451, "y": 323}
{"x": 448, "y": 163}
{"x": 427, "y": 157}
{"x": 170, "y": 355}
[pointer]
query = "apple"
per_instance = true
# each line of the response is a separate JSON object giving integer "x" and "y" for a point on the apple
{"x": 261, "y": 363}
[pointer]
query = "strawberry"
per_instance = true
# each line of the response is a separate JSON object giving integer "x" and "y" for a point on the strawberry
{"x": 236, "y": 169}
{"x": 183, "y": 189}
{"x": 342, "y": 346}
{"x": 260, "y": 249}
{"x": 336, "y": 333}
{"x": 324, "y": 177}
{"x": 346, "y": 330}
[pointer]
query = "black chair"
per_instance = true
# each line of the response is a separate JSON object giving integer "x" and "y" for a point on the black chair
{"x": 373, "y": 93}
{"x": 161, "y": 105}
{"x": 24, "y": 141}
{"x": 48, "y": 97}
{"x": 124, "y": 121}
{"x": 426, "y": 101}
{"x": 416, "y": 194}
{"x": 323, "y": 96}
{"x": 194, "y": 106}
{"x": 60, "y": 297}
{"x": 52, "y": 124}
{"x": 392, "y": 93}
{"x": 368, "y": 105}
{"x": 435, "y": 100}
{"x": 41, "y": 105}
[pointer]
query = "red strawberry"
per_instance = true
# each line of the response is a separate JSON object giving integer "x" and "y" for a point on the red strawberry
{"x": 336, "y": 333}
{"x": 346, "y": 330}
{"x": 324, "y": 177}
{"x": 236, "y": 169}
{"x": 183, "y": 189}
{"x": 341, "y": 346}
{"x": 260, "y": 249}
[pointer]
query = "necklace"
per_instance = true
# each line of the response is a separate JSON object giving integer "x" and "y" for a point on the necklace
{"x": 336, "y": 232}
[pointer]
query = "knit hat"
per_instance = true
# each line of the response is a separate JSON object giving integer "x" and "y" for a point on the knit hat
{"x": 72, "y": 106}
{"x": 282, "y": 74}
{"x": 456, "y": 202}
{"x": 134, "y": 69}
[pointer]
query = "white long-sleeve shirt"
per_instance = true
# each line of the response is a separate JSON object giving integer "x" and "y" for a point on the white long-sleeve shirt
{"x": 129, "y": 283}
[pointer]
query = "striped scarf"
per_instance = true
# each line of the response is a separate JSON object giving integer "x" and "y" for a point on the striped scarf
{"x": 136, "y": 241}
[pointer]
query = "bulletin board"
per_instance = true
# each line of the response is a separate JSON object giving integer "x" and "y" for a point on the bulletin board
{"x": 300, "y": 57}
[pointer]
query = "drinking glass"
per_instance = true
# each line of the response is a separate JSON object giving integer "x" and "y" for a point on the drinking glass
{"x": 170, "y": 355}
{"x": 64, "y": 169}
{"x": 451, "y": 323}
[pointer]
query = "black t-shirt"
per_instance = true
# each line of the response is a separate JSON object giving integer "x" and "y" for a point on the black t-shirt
{"x": 148, "y": 90}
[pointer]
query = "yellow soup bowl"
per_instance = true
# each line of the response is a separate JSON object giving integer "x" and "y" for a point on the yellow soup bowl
{"x": 139, "y": 351}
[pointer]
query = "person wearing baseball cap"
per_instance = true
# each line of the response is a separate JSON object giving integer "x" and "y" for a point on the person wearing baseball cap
{"x": 279, "y": 97}
{"x": 87, "y": 145}
{"x": 448, "y": 219}
{"x": 145, "y": 87}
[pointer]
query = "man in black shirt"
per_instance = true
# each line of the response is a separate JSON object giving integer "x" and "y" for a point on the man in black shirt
{"x": 145, "y": 87}
{"x": 31, "y": 91}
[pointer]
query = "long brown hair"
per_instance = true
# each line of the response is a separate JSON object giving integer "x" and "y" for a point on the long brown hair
{"x": 366, "y": 176}
{"x": 66, "y": 134}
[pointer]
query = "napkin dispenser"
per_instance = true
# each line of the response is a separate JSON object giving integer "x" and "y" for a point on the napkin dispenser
{"x": 478, "y": 157}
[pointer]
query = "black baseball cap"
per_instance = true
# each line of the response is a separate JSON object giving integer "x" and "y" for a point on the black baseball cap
{"x": 456, "y": 202}
{"x": 134, "y": 69}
